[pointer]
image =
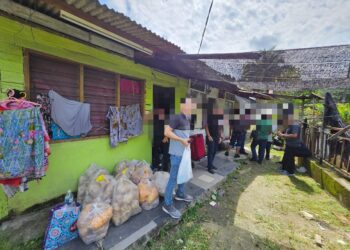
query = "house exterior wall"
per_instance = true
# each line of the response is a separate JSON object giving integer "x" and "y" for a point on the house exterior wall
{"x": 69, "y": 160}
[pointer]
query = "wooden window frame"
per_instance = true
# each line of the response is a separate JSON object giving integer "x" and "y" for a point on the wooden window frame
{"x": 27, "y": 85}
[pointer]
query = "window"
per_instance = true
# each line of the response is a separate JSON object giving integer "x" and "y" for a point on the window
{"x": 78, "y": 82}
{"x": 100, "y": 91}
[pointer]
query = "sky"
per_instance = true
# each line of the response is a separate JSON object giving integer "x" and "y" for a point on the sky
{"x": 242, "y": 25}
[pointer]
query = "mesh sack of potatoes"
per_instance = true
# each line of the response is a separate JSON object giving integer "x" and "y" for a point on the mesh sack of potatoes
{"x": 148, "y": 194}
{"x": 125, "y": 168}
{"x": 142, "y": 171}
{"x": 125, "y": 200}
{"x": 100, "y": 189}
{"x": 91, "y": 173}
{"x": 93, "y": 222}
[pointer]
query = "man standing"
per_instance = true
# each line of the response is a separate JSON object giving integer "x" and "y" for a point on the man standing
{"x": 178, "y": 131}
{"x": 294, "y": 146}
{"x": 213, "y": 132}
{"x": 263, "y": 128}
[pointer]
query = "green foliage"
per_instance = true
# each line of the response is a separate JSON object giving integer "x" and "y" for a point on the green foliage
{"x": 344, "y": 112}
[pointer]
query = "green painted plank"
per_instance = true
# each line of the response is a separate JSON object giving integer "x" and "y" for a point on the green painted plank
{"x": 11, "y": 66}
{"x": 8, "y": 76}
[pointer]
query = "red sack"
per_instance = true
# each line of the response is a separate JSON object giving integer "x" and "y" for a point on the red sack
{"x": 197, "y": 147}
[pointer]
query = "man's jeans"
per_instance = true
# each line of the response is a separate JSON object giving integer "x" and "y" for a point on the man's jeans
{"x": 168, "y": 197}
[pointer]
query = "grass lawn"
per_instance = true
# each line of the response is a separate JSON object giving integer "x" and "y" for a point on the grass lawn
{"x": 261, "y": 209}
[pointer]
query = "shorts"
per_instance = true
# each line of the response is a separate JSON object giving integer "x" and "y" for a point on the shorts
{"x": 237, "y": 139}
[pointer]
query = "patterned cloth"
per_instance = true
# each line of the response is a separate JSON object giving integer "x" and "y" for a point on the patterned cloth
{"x": 62, "y": 227}
{"x": 124, "y": 123}
{"x": 114, "y": 117}
{"x": 59, "y": 134}
{"x": 131, "y": 121}
{"x": 22, "y": 144}
{"x": 44, "y": 101}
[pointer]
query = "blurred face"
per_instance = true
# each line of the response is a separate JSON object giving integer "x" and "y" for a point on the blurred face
{"x": 290, "y": 120}
{"x": 188, "y": 106}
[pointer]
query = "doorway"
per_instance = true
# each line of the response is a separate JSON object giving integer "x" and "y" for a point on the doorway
{"x": 163, "y": 102}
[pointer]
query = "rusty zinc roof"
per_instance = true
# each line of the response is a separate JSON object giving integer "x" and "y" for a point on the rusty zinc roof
{"x": 101, "y": 15}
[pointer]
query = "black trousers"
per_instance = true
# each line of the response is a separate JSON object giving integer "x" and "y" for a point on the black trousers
{"x": 288, "y": 162}
{"x": 268, "y": 148}
{"x": 212, "y": 149}
{"x": 161, "y": 157}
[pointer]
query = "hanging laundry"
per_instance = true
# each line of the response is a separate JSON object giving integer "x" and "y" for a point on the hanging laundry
{"x": 134, "y": 119}
{"x": 22, "y": 144}
{"x": 44, "y": 101}
{"x": 130, "y": 121}
{"x": 59, "y": 134}
{"x": 114, "y": 117}
{"x": 72, "y": 116}
{"x": 124, "y": 123}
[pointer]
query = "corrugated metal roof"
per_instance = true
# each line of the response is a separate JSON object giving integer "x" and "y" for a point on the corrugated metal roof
{"x": 109, "y": 19}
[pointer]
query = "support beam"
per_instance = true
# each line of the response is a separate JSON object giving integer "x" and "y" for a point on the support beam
{"x": 297, "y": 85}
{"x": 243, "y": 55}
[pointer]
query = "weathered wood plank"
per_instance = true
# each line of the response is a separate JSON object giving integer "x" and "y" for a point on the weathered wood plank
{"x": 81, "y": 82}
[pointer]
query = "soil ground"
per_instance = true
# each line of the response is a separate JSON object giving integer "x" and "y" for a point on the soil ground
{"x": 257, "y": 208}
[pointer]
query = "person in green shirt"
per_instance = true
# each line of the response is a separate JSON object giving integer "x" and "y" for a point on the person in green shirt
{"x": 263, "y": 129}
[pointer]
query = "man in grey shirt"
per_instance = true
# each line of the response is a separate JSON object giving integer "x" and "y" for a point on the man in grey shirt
{"x": 178, "y": 131}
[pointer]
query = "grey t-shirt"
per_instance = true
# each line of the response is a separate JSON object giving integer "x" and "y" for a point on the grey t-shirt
{"x": 181, "y": 127}
{"x": 293, "y": 142}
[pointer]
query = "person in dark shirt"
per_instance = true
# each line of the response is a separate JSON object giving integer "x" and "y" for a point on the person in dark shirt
{"x": 294, "y": 147}
{"x": 213, "y": 134}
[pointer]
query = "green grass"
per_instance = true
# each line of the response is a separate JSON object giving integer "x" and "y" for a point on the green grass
{"x": 30, "y": 245}
{"x": 188, "y": 235}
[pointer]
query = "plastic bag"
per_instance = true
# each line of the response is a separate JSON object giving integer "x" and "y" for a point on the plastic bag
{"x": 91, "y": 173}
{"x": 185, "y": 169}
{"x": 125, "y": 168}
{"x": 93, "y": 222}
{"x": 142, "y": 171}
{"x": 160, "y": 179}
{"x": 125, "y": 201}
{"x": 100, "y": 189}
{"x": 148, "y": 194}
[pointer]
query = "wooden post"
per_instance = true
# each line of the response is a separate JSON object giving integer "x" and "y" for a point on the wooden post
{"x": 342, "y": 153}
{"x": 322, "y": 138}
{"x": 81, "y": 83}
{"x": 26, "y": 73}
{"x": 118, "y": 90}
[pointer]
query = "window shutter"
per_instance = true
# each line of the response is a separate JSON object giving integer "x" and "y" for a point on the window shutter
{"x": 100, "y": 92}
{"x": 47, "y": 73}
